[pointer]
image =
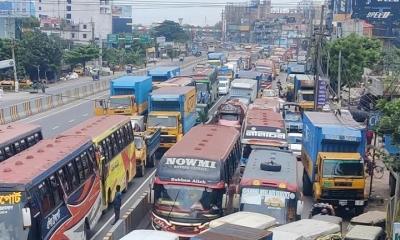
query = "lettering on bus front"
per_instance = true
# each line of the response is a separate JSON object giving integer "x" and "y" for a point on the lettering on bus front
{"x": 265, "y": 133}
{"x": 10, "y": 215}
{"x": 190, "y": 163}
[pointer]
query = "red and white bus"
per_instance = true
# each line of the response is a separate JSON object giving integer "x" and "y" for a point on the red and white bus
{"x": 50, "y": 191}
{"x": 16, "y": 137}
{"x": 196, "y": 180}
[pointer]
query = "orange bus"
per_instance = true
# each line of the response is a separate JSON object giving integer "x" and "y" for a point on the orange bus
{"x": 50, "y": 191}
{"x": 16, "y": 137}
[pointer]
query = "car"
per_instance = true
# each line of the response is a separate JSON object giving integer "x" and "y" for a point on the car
{"x": 295, "y": 142}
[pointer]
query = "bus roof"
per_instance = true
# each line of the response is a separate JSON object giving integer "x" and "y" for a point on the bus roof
{"x": 162, "y": 71}
{"x": 246, "y": 219}
{"x": 214, "y": 140}
{"x": 95, "y": 126}
{"x": 172, "y": 90}
{"x": 12, "y": 131}
{"x": 264, "y": 117}
{"x": 287, "y": 175}
{"x": 24, "y": 167}
{"x": 203, "y": 72}
{"x": 143, "y": 234}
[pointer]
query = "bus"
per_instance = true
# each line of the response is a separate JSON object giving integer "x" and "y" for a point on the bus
{"x": 196, "y": 180}
{"x": 160, "y": 74}
{"x": 50, "y": 191}
{"x": 269, "y": 185}
{"x": 16, "y": 137}
{"x": 113, "y": 137}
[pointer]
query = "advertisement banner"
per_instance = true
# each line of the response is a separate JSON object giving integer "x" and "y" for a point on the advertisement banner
{"x": 321, "y": 92}
{"x": 376, "y": 10}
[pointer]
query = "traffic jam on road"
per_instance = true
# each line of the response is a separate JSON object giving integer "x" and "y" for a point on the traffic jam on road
{"x": 225, "y": 171}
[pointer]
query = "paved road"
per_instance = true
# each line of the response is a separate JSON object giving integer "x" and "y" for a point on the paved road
{"x": 10, "y": 98}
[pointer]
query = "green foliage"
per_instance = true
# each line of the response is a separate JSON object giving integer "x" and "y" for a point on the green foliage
{"x": 357, "y": 53}
{"x": 81, "y": 54}
{"x": 37, "y": 49}
{"x": 114, "y": 56}
{"x": 30, "y": 23}
{"x": 171, "y": 30}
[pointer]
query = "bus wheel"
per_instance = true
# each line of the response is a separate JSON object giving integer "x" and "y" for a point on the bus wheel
{"x": 86, "y": 230}
{"x": 307, "y": 187}
{"x": 140, "y": 171}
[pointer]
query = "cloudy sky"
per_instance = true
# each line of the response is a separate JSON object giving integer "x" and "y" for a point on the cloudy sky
{"x": 198, "y": 12}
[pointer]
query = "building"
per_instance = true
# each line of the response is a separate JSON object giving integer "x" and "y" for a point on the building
{"x": 11, "y": 11}
{"x": 121, "y": 19}
{"x": 92, "y": 15}
{"x": 81, "y": 33}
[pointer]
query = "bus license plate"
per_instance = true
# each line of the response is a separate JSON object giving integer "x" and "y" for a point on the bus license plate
{"x": 342, "y": 202}
{"x": 359, "y": 203}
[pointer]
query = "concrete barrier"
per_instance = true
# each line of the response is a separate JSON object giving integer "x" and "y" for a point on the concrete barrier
{"x": 27, "y": 108}
{"x": 131, "y": 219}
{"x": 14, "y": 113}
{"x": 58, "y": 100}
{"x": 2, "y": 119}
{"x": 49, "y": 103}
{"x": 39, "y": 105}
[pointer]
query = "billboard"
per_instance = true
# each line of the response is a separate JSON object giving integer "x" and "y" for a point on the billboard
{"x": 376, "y": 10}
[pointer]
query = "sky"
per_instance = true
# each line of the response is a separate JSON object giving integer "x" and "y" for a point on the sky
{"x": 191, "y": 15}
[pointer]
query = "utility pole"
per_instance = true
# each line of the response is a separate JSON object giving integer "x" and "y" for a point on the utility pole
{"x": 317, "y": 56}
{"x": 16, "y": 82}
{"x": 339, "y": 79}
{"x": 101, "y": 53}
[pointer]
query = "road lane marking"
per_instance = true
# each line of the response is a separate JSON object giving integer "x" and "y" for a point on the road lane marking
{"x": 72, "y": 120}
{"x": 85, "y": 115}
{"x": 54, "y": 128}
{"x": 107, "y": 223}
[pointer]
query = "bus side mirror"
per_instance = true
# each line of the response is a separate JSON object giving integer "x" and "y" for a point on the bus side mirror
{"x": 236, "y": 201}
{"x": 300, "y": 207}
{"x": 225, "y": 200}
{"x": 151, "y": 196}
{"x": 26, "y": 217}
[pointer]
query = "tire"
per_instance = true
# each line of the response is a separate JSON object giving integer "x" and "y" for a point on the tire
{"x": 307, "y": 186}
{"x": 358, "y": 210}
{"x": 140, "y": 171}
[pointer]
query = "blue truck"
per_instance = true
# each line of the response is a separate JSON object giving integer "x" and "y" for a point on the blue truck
{"x": 393, "y": 151}
{"x": 173, "y": 109}
{"x": 128, "y": 96}
{"x": 332, "y": 155}
{"x": 160, "y": 74}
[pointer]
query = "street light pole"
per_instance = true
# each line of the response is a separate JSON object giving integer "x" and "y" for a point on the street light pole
{"x": 16, "y": 82}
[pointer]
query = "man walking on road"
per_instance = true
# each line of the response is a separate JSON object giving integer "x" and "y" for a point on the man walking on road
{"x": 117, "y": 204}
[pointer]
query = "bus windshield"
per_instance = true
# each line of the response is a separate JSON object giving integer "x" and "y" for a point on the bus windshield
{"x": 162, "y": 121}
{"x": 342, "y": 168}
{"x": 188, "y": 202}
{"x": 279, "y": 204}
{"x": 230, "y": 117}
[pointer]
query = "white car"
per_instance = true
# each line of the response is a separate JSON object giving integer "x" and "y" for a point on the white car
{"x": 295, "y": 142}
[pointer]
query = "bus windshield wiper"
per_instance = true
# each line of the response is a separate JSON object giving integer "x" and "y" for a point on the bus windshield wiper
{"x": 173, "y": 204}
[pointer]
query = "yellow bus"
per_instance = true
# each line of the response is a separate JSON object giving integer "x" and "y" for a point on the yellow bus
{"x": 113, "y": 138}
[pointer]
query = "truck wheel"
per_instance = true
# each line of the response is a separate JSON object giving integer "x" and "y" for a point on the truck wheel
{"x": 307, "y": 187}
{"x": 151, "y": 161}
{"x": 140, "y": 171}
{"x": 358, "y": 210}
{"x": 392, "y": 184}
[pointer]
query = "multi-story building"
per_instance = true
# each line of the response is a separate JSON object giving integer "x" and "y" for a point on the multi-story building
{"x": 11, "y": 11}
{"x": 90, "y": 14}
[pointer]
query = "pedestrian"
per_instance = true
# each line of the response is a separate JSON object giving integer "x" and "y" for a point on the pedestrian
{"x": 370, "y": 135}
{"x": 43, "y": 87}
{"x": 113, "y": 69}
{"x": 117, "y": 204}
{"x": 145, "y": 64}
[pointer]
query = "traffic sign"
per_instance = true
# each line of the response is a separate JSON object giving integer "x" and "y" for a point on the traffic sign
{"x": 6, "y": 63}
{"x": 374, "y": 119}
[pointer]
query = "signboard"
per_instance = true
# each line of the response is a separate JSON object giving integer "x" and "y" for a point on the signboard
{"x": 264, "y": 133}
{"x": 6, "y": 63}
{"x": 396, "y": 231}
{"x": 270, "y": 198}
{"x": 161, "y": 40}
{"x": 112, "y": 38}
{"x": 374, "y": 119}
{"x": 189, "y": 170}
{"x": 321, "y": 93}
{"x": 376, "y": 10}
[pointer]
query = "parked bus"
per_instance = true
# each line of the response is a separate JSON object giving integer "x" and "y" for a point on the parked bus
{"x": 16, "y": 137}
{"x": 113, "y": 137}
{"x": 50, "y": 191}
{"x": 196, "y": 180}
{"x": 271, "y": 177}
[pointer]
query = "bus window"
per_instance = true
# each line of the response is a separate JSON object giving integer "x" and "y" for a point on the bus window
{"x": 23, "y": 144}
{"x": 37, "y": 137}
{"x": 114, "y": 144}
{"x": 45, "y": 198}
{"x": 119, "y": 139}
{"x": 8, "y": 152}
{"x": 109, "y": 148}
{"x": 31, "y": 141}
{"x": 17, "y": 147}
{"x": 87, "y": 168}
{"x": 80, "y": 169}
{"x": 56, "y": 190}
{"x": 92, "y": 156}
{"x": 64, "y": 181}
{"x": 73, "y": 176}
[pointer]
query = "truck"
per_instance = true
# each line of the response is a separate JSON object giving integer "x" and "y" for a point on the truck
{"x": 146, "y": 145}
{"x": 128, "y": 96}
{"x": 332, "y": 155}
{"x": 258, "y": 76}
{"x": 216, "y": 59}
{"x": 304, "y": 91}
{"x": 160, "y": 74}
{"x": 207, "y": 90}
{"x": 392, "y": 150}
{"x": 173, "y": 109}
{"x": 225, "y": 75}
{"x": 244, "y": 89}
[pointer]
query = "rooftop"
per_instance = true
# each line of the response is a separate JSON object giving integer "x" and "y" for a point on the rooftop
{"x": 212, "y": 142}
{"x": 129, "y": 80}
{"x": 286, "y": 159}
{"x": 179, "y": 81}
{"x": 95, "y": 126}
{"x": 25, "y": 166}
{"x": 172, "y": 90}
{"x": 162, "y": 70}
{"x": 328, "y": 118}
{"x": 11, "y": 131}
{"x": 264, "y": 117}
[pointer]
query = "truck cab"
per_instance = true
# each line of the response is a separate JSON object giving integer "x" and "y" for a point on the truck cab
{"x": 120, "y": 104}
{"x": 170, "y": 124}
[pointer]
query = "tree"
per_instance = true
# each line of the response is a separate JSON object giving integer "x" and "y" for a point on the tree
{"x": 114, "y": 56}
{"x": 35, "y": 50}
{"x": 357, "y": 53}
{"x": 81, "y": 54}
{"x": 171, "y": 30}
